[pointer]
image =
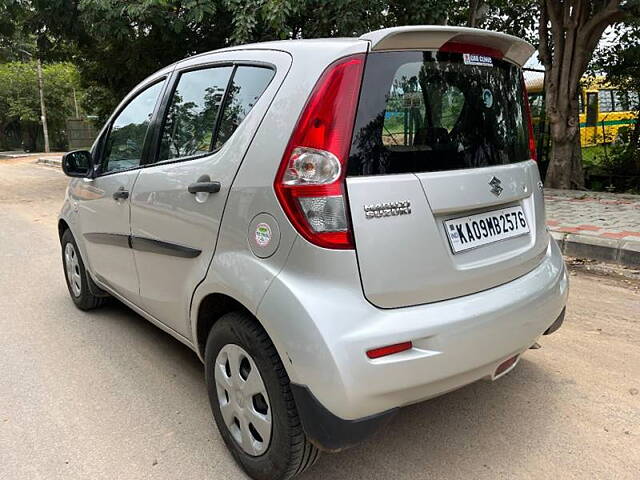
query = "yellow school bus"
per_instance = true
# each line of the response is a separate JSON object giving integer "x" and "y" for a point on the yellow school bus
{"x": 603, "y": 109}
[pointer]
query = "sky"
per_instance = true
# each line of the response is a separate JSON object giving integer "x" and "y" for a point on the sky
{"x": 609, "y": 37}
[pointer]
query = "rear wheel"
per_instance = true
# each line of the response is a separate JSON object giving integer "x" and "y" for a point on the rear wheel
{"x": 252, "y": 402}
{"x": 76, "y": 276}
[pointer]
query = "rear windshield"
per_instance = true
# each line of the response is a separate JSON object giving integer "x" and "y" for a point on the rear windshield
{"x": 433, "y": 111}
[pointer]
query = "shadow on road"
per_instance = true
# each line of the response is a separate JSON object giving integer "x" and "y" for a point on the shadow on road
{"x": 164, "y": 345}
{"x": 450, "y": 436}
{"x": 444, "y": 437}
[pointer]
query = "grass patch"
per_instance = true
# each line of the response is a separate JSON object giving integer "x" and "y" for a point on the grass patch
{"x": 595, "y": 156}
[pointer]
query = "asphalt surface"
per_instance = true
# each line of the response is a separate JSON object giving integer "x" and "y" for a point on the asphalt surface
{"x": 106, "y": 395}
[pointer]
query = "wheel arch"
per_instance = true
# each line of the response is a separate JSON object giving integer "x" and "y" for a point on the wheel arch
{"x": 210, "y": 309}
{"x": 212, "y": 306}
{"x": 62, "y": 227}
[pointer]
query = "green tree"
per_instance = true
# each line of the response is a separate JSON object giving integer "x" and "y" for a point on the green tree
{"x": 20, "y": 102}
{"x": 569, "y": 32}
{"x": 116, "y": 43}
{"x": 620, "y": 62}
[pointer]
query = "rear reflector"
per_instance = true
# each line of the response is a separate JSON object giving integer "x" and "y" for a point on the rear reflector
{"x": 389, "y": 350}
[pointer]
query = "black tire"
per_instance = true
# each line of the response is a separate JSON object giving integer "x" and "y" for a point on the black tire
{"x": 289, "y": 452}
{"x": 86, "y": 300}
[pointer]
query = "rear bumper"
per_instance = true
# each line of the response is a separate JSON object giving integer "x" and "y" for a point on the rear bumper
{"x": 323, "y": 327}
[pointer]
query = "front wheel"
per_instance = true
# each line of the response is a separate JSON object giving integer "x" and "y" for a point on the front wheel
{"x": 76, "y": 275}
{"x": 252, "y": 402}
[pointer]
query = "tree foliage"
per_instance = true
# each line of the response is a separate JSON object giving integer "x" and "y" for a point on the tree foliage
{"x": 20, "y": 101}
{"x": 119, "y": 42}
{"x": 620, "y": 62}
{"x": 569, "y": 32}
{"x": 116, "y": 43}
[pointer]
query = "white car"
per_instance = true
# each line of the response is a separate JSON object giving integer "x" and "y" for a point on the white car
{"x": 337, "y": 228}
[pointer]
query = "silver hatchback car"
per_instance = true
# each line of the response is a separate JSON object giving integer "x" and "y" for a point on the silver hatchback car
{"x": 337, "y": 227}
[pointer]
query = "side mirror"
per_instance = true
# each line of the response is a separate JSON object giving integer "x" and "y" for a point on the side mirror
{"x": 77, "y": 163}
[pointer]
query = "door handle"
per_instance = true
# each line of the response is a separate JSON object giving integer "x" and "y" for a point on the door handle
{"x": 121, "y": 194}
{"x": 204, "y": 185}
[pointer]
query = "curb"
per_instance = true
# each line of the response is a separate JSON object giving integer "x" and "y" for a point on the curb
{"x": 620, "y": 252}
{"x": 51, "y": 161}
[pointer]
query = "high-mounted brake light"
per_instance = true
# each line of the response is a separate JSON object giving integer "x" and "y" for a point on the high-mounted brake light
{"x": 458, "y": 47}
{"x": 527, "y": 111}
{"x": 310, "y": 181}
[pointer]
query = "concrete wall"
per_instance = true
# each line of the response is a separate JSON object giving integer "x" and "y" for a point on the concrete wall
{"x": 81, "y": 133}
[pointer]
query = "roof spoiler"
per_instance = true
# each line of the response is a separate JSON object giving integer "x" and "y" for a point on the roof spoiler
{"x": 432, "y": 37}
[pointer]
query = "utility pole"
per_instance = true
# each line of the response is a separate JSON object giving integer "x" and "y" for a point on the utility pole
{"x": 75, "y": 102}
{"x": 43, "y": 108}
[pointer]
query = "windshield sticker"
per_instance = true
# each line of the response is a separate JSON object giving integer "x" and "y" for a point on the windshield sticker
{"x": 487, "y": 98}
{"x": 263, "y": 234}
{"x": 474, "y": 59}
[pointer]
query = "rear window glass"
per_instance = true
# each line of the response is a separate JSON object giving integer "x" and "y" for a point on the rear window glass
{"x": 433, "y": 111}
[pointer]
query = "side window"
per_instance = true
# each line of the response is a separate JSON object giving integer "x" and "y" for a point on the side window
{"x": 625, "y": 101}
{"x": 592, "y": 109}
{"x": 247, "y": 86}
{"x": 191, "y": 119}
{"x": 606, "y": 100}
{"x": 580, "y": 102}
{"x": 123, "y": 147}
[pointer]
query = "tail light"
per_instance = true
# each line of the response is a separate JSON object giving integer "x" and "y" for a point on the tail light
{"x": 310, "y": 181}
{"x": 527, "y": 112}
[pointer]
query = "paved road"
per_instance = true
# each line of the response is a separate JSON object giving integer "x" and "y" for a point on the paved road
{"x": 106, "y": 395}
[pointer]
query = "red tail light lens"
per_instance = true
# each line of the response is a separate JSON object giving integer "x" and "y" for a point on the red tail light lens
{"x": 310, "y": 181}
{"x": 527, "y": 111}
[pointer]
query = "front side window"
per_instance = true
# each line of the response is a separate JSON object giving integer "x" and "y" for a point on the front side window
{"x": 433, "y": 111}
{"x": 191, "y": 119}
{"x": 125, "y": 143}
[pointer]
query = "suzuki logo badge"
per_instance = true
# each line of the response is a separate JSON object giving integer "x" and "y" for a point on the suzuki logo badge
{"x": 496, "y": 187}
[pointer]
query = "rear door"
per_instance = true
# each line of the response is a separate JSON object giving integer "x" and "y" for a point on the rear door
{"x": 444, "y": 198}
{"x": 210, "y": 119}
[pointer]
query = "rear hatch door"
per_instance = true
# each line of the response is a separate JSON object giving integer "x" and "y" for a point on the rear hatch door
{"x": 444, "y": 198}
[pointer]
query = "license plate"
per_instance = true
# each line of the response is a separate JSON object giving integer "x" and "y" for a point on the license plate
{"x": 477, "y": 230}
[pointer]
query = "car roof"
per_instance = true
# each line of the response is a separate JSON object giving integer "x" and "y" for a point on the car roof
{"x": 293, "y": 47}
{"x": 425, "y": 37}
